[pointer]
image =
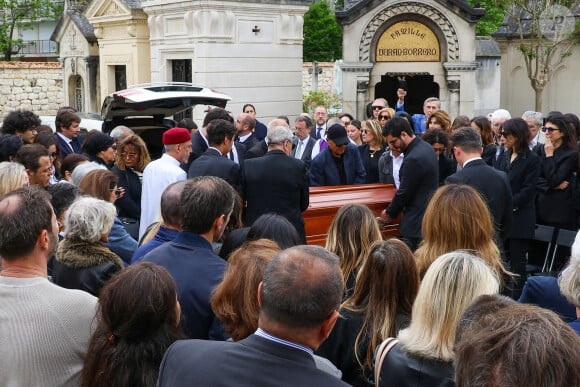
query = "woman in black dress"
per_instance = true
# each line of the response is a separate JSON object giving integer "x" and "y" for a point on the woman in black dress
{"x": 559, "y": 164}
{"x": 523, "y": 169}
{"x": 372, "y": 149}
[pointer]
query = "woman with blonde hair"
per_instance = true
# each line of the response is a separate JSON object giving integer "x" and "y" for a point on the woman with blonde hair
{"x": 379, "y": 307}
{"x": 372, "y": 149}
{"x": 12, "y": 176}
{"x": 385, "y": 115}
{"x": 350, "y": 236}
{"x": 458, "y": 218}
{"x": 423, "y": 355}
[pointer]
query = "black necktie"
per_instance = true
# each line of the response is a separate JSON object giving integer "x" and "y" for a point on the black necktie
{"x": 318, "y": 130}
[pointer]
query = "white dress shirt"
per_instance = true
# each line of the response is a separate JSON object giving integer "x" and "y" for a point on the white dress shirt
{"x": 156, "y": 177}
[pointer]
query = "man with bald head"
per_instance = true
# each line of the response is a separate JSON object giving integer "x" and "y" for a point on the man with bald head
{"x": 245, "y": 125}
{"x": 299, "y": 298}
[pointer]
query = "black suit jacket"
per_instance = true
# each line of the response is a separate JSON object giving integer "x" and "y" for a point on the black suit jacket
{"x": 419, "y": 178}
{"x": 212, "y": 163}
{"x": 253, "y": 361}
{"x": 523, "y": 175}
{"x": 495, "y": 188}
{"x": 198, "y": 147}
{"x": 275, "y": 183}
{"x": 307, "y": 153}
{"x": 258, "y": 150}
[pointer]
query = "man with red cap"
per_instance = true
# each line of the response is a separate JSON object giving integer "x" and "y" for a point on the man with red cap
{"x": 160, "y": 173}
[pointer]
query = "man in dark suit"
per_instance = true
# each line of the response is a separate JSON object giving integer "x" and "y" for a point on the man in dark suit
{"x": 67, "y": 132}
{"x": 220, "y": 135}
{"x": 299, "y": 298}
{"x": 320, "y": 117}
{"x": 199, "y": 142}
{"x": 206, "y": 205}
{"x": 303, "y": 142}
{"x": 245, "y": 125}
{"x": 492, "y": 184}
{"x": 419, "y": 178}
{"x": 276, "y": 182}
{"x": 339, "y": 163}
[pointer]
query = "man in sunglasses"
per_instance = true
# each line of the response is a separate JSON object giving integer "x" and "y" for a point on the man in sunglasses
{"x": 377, "y": 105}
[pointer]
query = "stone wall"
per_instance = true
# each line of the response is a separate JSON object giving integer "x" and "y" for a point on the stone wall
{"x": 31, "y": 85}
{"x": 325, "y": 78}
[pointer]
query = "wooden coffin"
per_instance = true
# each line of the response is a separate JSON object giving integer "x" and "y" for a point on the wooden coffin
{"x": 325, "y": 202}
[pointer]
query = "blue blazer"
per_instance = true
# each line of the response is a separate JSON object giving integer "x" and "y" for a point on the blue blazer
{"x": 64, "y": 148}
{"x": 323, "y": 170}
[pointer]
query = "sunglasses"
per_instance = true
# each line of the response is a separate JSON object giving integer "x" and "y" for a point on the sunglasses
{"x": 549, "y": 129}
{"x": 503, "y": 134}
{"x": 54, "y": 155}
{"x": 364, "y": 131}
{"x": 381, "y": 117}
{"x": 378, "y": 107}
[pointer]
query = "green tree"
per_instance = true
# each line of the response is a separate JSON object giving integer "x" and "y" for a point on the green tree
{"x": 21, "y": 14}
{"x": 494, "y": 14}
{"x": 547, "y": 32}
{"x": 322, "y": 34}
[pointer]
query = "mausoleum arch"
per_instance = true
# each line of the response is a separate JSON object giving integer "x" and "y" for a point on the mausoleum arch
{"x": 424, "y": 13}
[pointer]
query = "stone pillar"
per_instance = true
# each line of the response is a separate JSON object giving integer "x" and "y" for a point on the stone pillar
{"x": 355, "y": 85}
{"x": 453, "y": 86}
{"x": 461, "y": 99}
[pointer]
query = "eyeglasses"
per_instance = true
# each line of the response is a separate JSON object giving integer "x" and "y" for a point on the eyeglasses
{"x": 381, "y": 117}
{"x": 54, "y": 155}
{"x": 550, "y": 129}
{"x": 128, "y": 155}
{"x": 376, "y": 107}
{"x": 364, "y": 131}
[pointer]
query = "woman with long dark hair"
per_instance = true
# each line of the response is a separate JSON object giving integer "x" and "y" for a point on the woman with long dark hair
{"x": 523, "y": 169}
{"x": 482, "y": 125}
{"x": 379, "y": 307}
{"x": 559, "y": 163}
{"x": 137, "y": 320}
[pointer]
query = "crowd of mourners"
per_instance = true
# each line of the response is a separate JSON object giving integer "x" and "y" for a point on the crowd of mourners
{"x": 122, "y": 267}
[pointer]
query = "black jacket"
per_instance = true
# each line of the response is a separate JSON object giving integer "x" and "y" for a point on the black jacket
{"x": 212, "y": 163}
{"x": 555, "y": 206}
{"x": 419, "y": 177}
{"x": 129, "y": 206}
{"x": 495, "y": 188}
{"x": 275, "y": 183}
{"x": 523, "y": 175}
{"x": 85, "y": 266}
{"x": 402, "y": 369}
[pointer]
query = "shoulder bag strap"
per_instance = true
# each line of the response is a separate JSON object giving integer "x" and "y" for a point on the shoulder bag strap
{"x": 382, "y": 352}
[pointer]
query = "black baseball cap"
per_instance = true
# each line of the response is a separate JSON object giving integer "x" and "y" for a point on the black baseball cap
{"x": 337, "y": 133}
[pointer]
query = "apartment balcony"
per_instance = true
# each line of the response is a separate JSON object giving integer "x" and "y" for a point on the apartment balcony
{"x": 38, "y": 48}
